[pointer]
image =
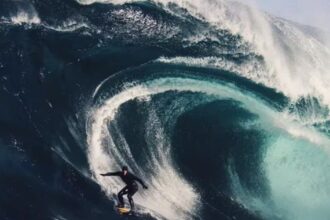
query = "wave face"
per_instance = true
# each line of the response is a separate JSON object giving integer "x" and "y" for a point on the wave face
{"x": 222, "y": 109}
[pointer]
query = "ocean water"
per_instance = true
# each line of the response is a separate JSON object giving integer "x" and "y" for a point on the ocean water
{"x": 222, "y": 109}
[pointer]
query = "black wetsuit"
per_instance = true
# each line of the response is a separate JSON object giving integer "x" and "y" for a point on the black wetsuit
{"x": 131, "y": 187}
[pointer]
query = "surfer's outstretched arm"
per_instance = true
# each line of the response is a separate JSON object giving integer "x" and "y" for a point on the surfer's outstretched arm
{"x": 111, "y": 174}
{"x": 140, "y": 181}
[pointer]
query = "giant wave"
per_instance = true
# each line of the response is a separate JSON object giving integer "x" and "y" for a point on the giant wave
{"x": 222, "y": 108}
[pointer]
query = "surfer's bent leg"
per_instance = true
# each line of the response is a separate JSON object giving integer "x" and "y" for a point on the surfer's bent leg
{"x": 120, "y": 195}
{"x": 131, "y": 191}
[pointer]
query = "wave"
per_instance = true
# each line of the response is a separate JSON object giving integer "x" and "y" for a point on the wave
{"x": 223, "y": 109}
{"x": 109, "y": 149}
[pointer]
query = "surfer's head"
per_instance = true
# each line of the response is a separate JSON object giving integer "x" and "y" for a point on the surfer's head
{"x": 124, "y": 169}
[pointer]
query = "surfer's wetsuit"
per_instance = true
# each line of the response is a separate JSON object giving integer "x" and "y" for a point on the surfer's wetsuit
{"x": 131, "y": 186}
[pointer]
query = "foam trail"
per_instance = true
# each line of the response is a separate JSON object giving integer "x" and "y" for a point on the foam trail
{"x": 69, "y": 26}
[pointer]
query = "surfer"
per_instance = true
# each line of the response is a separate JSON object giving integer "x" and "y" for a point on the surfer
{"x": 131, "y": 186}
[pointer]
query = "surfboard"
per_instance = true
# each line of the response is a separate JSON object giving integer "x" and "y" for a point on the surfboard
{"x": 124, "y": 211}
